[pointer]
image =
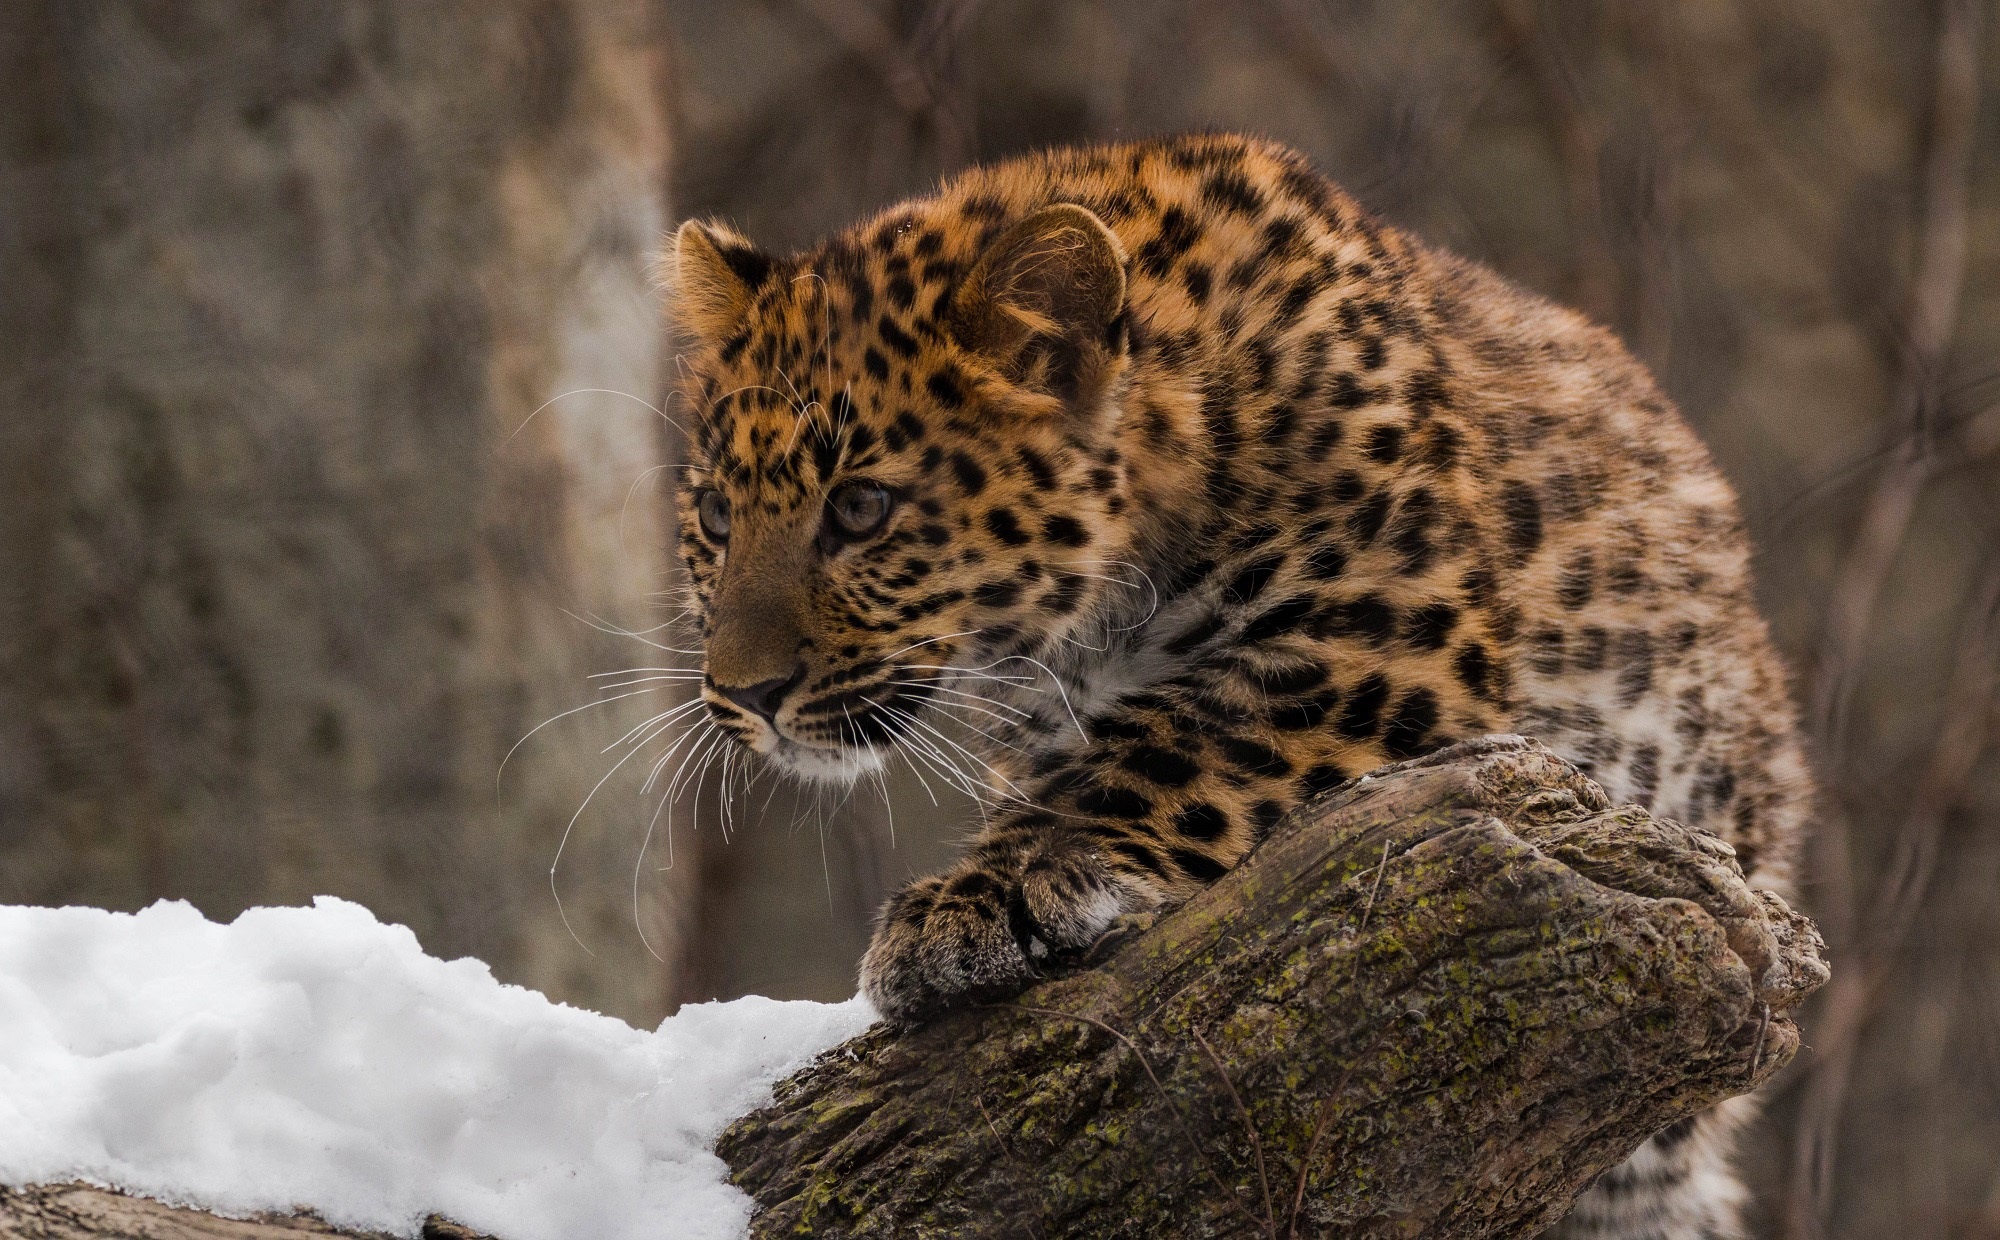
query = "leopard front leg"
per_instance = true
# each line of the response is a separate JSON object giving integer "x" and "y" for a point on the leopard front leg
{"x": 1174, "y": 788}
{"x": 1025, "y": 899}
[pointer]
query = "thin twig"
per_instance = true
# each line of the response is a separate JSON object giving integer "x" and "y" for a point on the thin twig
{"x": 1361, "y": 927}
{"x": 1757, "y": 1054}
{"x": 1249, "y": 1126}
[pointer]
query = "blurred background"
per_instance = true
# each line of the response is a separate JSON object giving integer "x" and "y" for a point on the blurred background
{"x": 335, "y": 439}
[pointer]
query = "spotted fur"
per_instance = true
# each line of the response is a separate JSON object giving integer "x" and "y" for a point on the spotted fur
{"x": 1205, "y": 491}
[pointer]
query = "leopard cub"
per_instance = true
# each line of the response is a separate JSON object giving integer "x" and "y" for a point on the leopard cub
{"x": 1186, "y": 489}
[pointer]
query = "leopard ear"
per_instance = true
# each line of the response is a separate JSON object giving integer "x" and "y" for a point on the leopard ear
{"x": 1046, "y": 304}
{"x": 716, "y": 269}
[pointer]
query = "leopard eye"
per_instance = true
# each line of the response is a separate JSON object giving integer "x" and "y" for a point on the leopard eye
{"x": 859, "y": 509}
{"x": 713, "y": 508}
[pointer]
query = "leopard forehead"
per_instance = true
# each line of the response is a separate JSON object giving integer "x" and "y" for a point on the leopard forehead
{"x": 843, "y": 366}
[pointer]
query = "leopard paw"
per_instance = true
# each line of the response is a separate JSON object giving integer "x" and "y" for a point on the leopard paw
{"x": 937, "y": 948}
{"x": 986, "y": 930}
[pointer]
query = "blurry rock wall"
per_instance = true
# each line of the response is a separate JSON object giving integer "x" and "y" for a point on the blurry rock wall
{"x": 289, "y": 567}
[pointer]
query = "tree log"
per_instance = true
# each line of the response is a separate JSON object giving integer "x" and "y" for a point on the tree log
{"x": 1437, "y": 1003}
{"x": 87, "y": 1212}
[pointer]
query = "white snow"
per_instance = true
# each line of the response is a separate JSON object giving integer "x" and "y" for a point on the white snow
{"x": 314, "y": 1057}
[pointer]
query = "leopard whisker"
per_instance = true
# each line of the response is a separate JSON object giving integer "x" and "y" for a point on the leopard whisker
{"x": 659, "y": 764}
{"x": 749, "y": 387}
{"x": 1083, "y": 645}
{"x": 725, "y": 802}
{"x": 929, "y": 640}
{"x": 605, "y": 626}
{"x": 625, "y": 510}
{"x": 966, "y": 723}
{"x": 953, "y": 673}
{"x": 1153, "y": 609}
{"x": 659, "y": 412}
{"x": 689, "y": 774}
{"x": 912, "y": 743}
{"x": 638, "y": 866}
{"x": 898, "y": 751}
{"x": 631, "y": 671}
{"x": 988, "y": 766}
{"x": 664, "y": 718}
{"x": 1060, "y": 691}
{"x": 660, "y": 678}
{"x": 935, "y": 759}
{"x": 563, "y": 715}
{"x": 882, "y": 786}
{"x": 1019, "y": 715}
{"x": 569, "y": 827}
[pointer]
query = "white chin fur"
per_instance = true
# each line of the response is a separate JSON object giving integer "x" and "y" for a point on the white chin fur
{"x": 826, "y": 766}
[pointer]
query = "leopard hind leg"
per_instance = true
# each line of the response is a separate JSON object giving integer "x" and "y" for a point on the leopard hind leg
{"x": 1679, "y": 1185}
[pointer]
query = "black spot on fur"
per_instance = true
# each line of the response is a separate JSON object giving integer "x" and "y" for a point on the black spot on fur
{"x": 1252, "y": 756}
{"x": 1635, "y": 665}
{"x": 895, "y": 337}
{"x": 1111, "y": 801}
{"x": 1037, "y": 467}
{"x": 1326, "y": 563}
{"x": 1364, "y": 708}
{"x": 1428, "y": 627}
{"x": 1410, "y": 725}
{"x": 1366, "y": 521}
{"x": 1645, "y": 774}
{"x": 1232, "y": 191}
{"x": 1578, "y": 581}
{"x": 1195, "y": 278}
{"x": 746, "y": 263}
{"x": 1287, "y": 681}
{"x": 1475, "y": 670}
{"x": 1385, "y": 443}
{"x": 1304, "y": 716}
{"x": 997, "y": 594}
{"x": 1165, "y": 767}
{"x": 1322, "y": 778}
{"x": 1178, "y": 233}
{"x": 1283, "y": 618}
{"x": 1251, "y": 579}
{"x": 1370, "y": 616}
{"x": 1202, "y": 821}
{"x": 971, "y": 477}
{"x": 1194, "y": 637}
{"x": 1067, "y": 531}
{"x": 1347, "y": 392}
{"x": 944, "y": 389}
{"x": 1524, "y": 519}
{"x": 1006, "y": 527}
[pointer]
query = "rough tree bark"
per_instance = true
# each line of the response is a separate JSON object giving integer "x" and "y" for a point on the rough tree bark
{"x": 1435, "y": 1004}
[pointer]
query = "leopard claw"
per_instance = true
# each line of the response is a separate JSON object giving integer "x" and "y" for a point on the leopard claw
{"x": 1123, "y": 928}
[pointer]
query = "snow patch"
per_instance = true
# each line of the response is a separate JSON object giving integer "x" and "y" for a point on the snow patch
{"x": 314, "y": 1057}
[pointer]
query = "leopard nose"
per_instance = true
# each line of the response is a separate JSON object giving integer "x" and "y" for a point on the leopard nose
{"x": 766, "y": 696}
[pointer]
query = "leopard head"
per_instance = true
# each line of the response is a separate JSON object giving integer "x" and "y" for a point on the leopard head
{"x": 900, "y": 464}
